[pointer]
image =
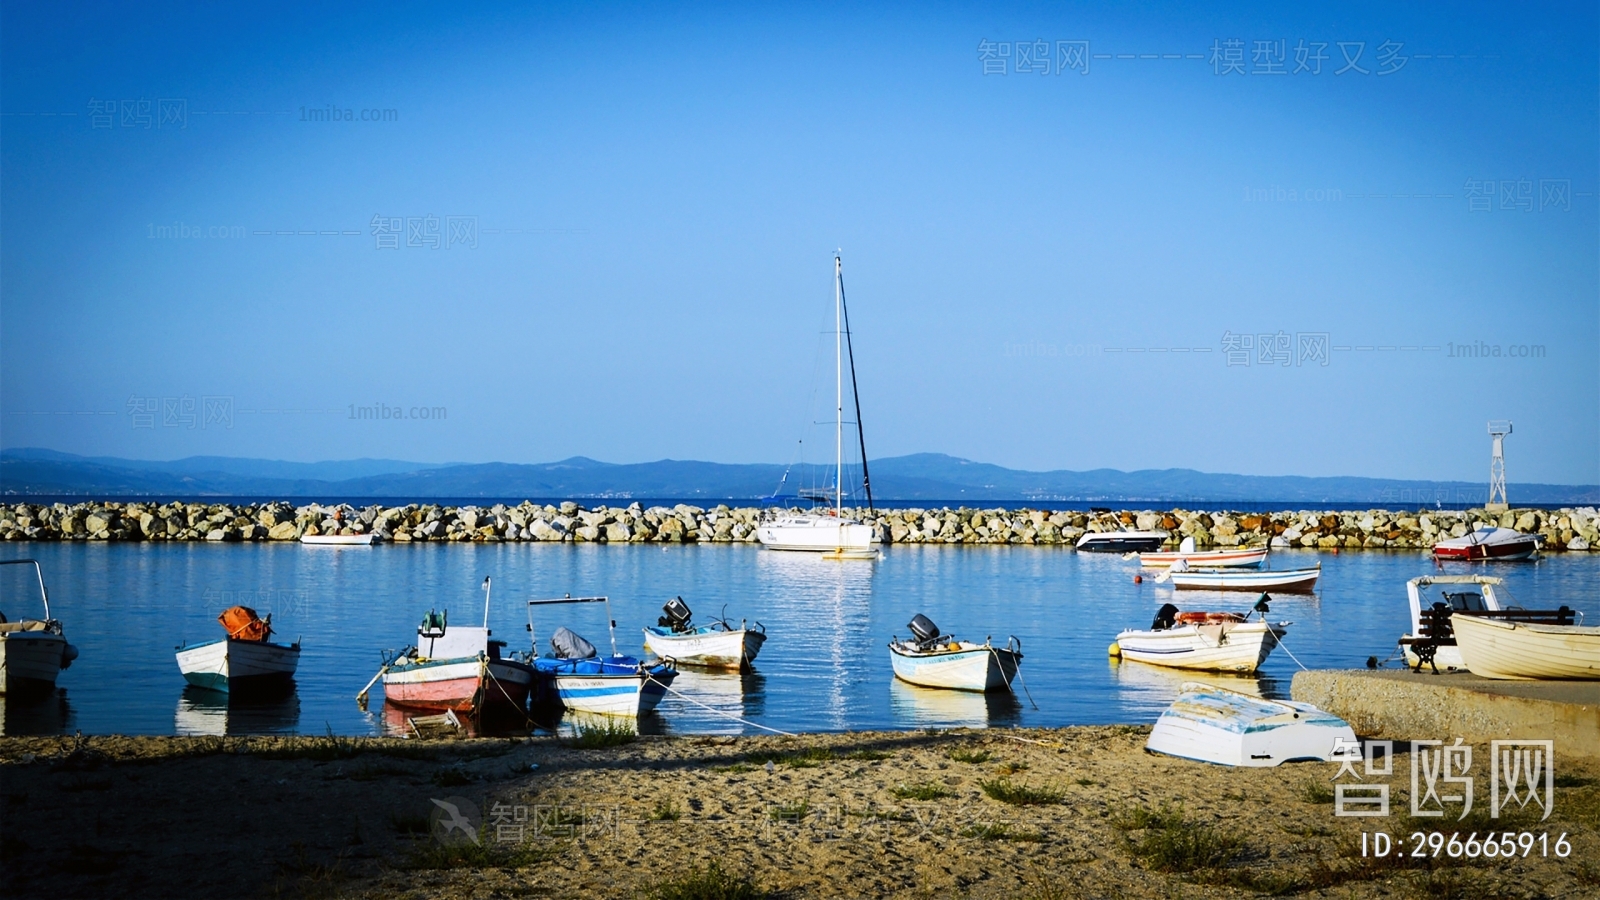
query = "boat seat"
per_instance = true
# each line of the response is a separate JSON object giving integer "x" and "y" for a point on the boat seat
{"x": 24, "y": 625}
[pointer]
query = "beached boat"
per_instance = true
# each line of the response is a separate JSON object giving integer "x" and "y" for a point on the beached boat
{"x": 1489, "y": 542}
{"x": 339, "y": 540}
{"x": 830, "y": 532}
{"x": 1205, "y": 641}
{"x": 1446, "y": 593}
{"x": 1121, "y": 541}
{"x": 244, "y": 660}
{"x": 1216, "y": 725}
{"x": 579, "y": 679}
{"x": 455, "y": 667}
{"x": 718, "y": 645}
{"x": 932, "y": 659}
{"x": 32, "y": 651}
{"x": 1284, "y": 580}
{"x": 1528, "y": 647}
{"x": 1230, "y": 557}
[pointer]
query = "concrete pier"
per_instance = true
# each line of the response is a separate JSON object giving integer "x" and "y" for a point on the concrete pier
{"x": 1398, "y": 704}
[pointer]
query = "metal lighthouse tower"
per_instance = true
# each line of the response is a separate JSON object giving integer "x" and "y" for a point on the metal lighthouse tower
{"x": 1498, "y": 429}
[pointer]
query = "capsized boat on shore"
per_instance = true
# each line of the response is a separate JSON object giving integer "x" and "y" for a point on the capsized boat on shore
{"x": 1215, "y": 725}
{"x": 32, "y": 651}
{"x": 1207, "y": 641}
{"x": 579, "y": 679}
{"x": 932, "y": 659}
{"x": 717, "y": 646}
{"x": 455, "y": 667}
{"x": 242, "y": 662}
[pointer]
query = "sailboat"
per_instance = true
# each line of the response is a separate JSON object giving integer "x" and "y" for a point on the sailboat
{"x": 830, "y": 532}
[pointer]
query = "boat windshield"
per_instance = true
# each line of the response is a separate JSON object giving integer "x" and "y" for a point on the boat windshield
{"x": 1465, "y": 601}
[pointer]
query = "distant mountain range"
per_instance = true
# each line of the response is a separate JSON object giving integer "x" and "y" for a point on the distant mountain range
{"x": 921, "y": 477}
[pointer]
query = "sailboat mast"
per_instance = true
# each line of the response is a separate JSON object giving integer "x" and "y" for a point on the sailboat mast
{"x": 838, "y": 388}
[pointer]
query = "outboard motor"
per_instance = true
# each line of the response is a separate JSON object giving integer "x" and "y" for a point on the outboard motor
{"x": 1166, "y": 616}
{"x": 1261, "y": 605}
{"x": 923, "y": 628}
{"x": 568, "y": 645}
{"x": 677, "y": 615}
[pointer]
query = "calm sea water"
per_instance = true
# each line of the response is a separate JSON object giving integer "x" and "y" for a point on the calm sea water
{"x": 824, "y": 667}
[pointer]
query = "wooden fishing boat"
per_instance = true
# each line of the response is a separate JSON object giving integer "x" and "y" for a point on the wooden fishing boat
{"x": 242, "y": 662}
{"x": 935, "y": 660}
{"x": 32, "y": 651}
{"x": 455, "y": 667}
{"x": 577, "y": 678}
{"x": 1206, "y": 641}
{"x": 717, "y": 646}
{"x": 1284, "y": 580}
{"x": 1487, "y": 542}
{"x": 1215, "y": 725}
{"x": 1528, "y": 646}
{"x": 1228, "y": 557}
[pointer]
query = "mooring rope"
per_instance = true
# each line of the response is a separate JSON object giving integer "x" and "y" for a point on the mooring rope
{"x": 1291, "y": 654}
{"x": 996, "y": 655}
{"x": 681, "y": 696}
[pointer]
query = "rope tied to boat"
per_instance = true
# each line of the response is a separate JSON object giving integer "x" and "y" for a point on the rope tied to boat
{"x": 1001, "y": 664}
{"x": 711, "y": 709}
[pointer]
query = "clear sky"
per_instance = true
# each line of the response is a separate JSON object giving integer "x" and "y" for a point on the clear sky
{"x": 613, "y": 229}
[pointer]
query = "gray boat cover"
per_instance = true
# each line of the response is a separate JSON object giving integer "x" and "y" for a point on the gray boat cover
{"x": 568, "y": 645}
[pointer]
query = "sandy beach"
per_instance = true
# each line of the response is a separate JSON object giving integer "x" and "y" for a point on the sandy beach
{"x": 1077, "y": 812}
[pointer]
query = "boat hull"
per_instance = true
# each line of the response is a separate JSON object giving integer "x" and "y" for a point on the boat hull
{"x": 1209, "y": 648}
{"x": 1214, "y": 725}
{"x": 1522, "y": 651}
{"x": 466, "y": 684}
{"x": 1207, "y": 559}
{"x": 1301, "y": 581}
{"x": 228, "y": 665}
{"x": 338, "y": 540}
{"x": 816, "y": 534}
{"x": 623, "y": 687}
{"x": 1121, "y": 542}
{"x": 30, "y": 661}
{"x": 711, "y": 649}
{"x": 1489, "y": 544}
{"x": 977, "y": 669}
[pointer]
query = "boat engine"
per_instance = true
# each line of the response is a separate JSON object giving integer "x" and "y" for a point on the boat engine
{"x": 1166, "y": 616}
{"x": 923, "y": 629}
{"x": 677, "y": 615}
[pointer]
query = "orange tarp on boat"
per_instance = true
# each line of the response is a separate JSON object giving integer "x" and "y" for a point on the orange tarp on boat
{"x": 243, "y": 624}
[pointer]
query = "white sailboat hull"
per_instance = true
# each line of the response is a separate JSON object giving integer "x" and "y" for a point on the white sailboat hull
{"x": 1522, "y": 651}
{"x": 1224, "y": 647}
{"x": 1214, "y": 725}
{"x": 713, "y": 649}
{"x": 816, "y": 534}
{"x": 972, "y": 668}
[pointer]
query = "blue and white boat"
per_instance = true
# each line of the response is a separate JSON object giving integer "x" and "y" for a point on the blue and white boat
{"x": 579, "y": 679}
{"x": 715, "y": 646}
{"x": 935, "y": 660}
{"x": 1216, "y": 725}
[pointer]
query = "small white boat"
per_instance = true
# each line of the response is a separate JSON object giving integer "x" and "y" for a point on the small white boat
{"x": 717, "y": 645}
{"x": 1205, "y": 641}
{"x": 931, "y": 659}
{"x": 1203, "y": 559}
{"x": 1215, "y": 725}
{"x": 1286, "y": 580}
{"x": 244, "y": 661}
{"x": 1124, "y": 541}
{"x": 339, "y": 540}
{"x": 577, "y": 678}
{"x": 32, "y": 651}
{"x": 1453, "y": 593}
{"x": 1516, "y": 649}
{"x": 1489, "y": 542}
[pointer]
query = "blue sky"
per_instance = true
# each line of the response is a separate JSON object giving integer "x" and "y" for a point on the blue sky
{"x": 1051, "y": 270}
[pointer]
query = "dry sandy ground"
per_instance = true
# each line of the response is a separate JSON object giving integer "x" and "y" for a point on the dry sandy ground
{"x": 852, "y": 815}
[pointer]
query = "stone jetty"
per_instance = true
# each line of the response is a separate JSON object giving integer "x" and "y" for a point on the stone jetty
{"x": 133, "y": 520}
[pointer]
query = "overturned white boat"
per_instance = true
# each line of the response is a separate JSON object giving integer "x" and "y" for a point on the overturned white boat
{"x": 715, "y": 646}
{"x": 1205, "y": 641}
{"x": 1216, "y": 725}
{"x": 935, "y": 660}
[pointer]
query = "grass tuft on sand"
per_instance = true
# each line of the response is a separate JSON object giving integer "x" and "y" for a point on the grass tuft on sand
{"x": 1006, "y": 791}
{"x": 932, "y": 790}
{"x": 1167, "y": 841}
{"x": 599, "y": 737}
{"x": 709, "y": 883}
{"x": 961, "y": 754}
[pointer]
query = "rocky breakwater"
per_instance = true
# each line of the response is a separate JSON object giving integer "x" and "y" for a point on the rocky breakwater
{"x": 1562, "y": 529}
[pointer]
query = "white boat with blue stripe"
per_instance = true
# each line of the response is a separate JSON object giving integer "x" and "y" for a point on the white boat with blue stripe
{"x": 715, "y": 646}
{"x": 932, "y": 659}
{"x": 575, "y": 676}
{"x": 1216, "y": 725}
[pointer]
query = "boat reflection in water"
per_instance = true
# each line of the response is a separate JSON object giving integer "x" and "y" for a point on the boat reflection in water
{"x": 727, "y": 694}
{"x": 1148, "y": 690}
{"x": 915, "y": 707}
{"x": 205, "y": 712}
{"x": 494, "y": 721}
{"x": 49, "y": 714}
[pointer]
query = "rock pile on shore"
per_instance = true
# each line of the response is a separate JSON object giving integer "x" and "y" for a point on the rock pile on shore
{"x": 1562, "y": 529}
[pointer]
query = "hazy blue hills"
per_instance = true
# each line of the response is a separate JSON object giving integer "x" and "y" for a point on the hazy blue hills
{"x": 922, "y": 477}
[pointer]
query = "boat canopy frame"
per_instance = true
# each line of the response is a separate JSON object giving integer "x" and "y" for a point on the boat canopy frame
{"x": 533, "y": 637}
{"x": 44, "y": 593}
